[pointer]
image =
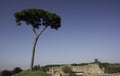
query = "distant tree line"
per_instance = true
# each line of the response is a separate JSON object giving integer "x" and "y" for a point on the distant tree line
{"x": 81, "y": 64}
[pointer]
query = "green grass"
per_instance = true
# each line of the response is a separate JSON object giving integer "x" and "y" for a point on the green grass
{"x": 32, "y": 73}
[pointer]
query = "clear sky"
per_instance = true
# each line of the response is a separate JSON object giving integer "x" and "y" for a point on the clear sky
{"x": 90, "y": 29}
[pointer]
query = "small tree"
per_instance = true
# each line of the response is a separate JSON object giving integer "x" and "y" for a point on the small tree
{"x": 38, "y": 18}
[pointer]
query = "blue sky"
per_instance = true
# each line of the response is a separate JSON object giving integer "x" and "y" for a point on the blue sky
{"x": 89, "y": 29}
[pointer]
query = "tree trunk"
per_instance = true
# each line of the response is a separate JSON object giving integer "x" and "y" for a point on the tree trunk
{"x": 34, "y": 46}
{"x": 33, "y": 52}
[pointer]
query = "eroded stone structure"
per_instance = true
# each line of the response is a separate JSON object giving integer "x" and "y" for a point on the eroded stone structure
{"x": 77, "y": 70}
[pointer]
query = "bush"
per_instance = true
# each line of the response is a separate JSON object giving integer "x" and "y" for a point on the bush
{"x": 36, "y": 67}
{"x": 6, "y": 73}
{"x": 32, "y": 73}
{"x": 67, "y": 69}
{"x": 17, "y": 70}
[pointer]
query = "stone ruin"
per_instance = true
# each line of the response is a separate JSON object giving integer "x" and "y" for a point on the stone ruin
{"x": 77, "y": 70}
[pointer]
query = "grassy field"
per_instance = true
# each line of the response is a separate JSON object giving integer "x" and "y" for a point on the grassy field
{"x": 32, "y": 73}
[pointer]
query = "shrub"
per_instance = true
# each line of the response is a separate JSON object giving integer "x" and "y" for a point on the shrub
{"x": 66, "y": 69}
{"x": 36, "y": 67}
{"x": 6, "y": 73}
{"x": 17, "y": 70}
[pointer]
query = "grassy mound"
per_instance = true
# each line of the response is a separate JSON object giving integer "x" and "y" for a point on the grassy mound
{"x": 32, "y": 73}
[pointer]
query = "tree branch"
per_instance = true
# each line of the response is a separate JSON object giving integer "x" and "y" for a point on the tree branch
{"x": 42, "y": 31}
{"x": 35, "y": 31}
